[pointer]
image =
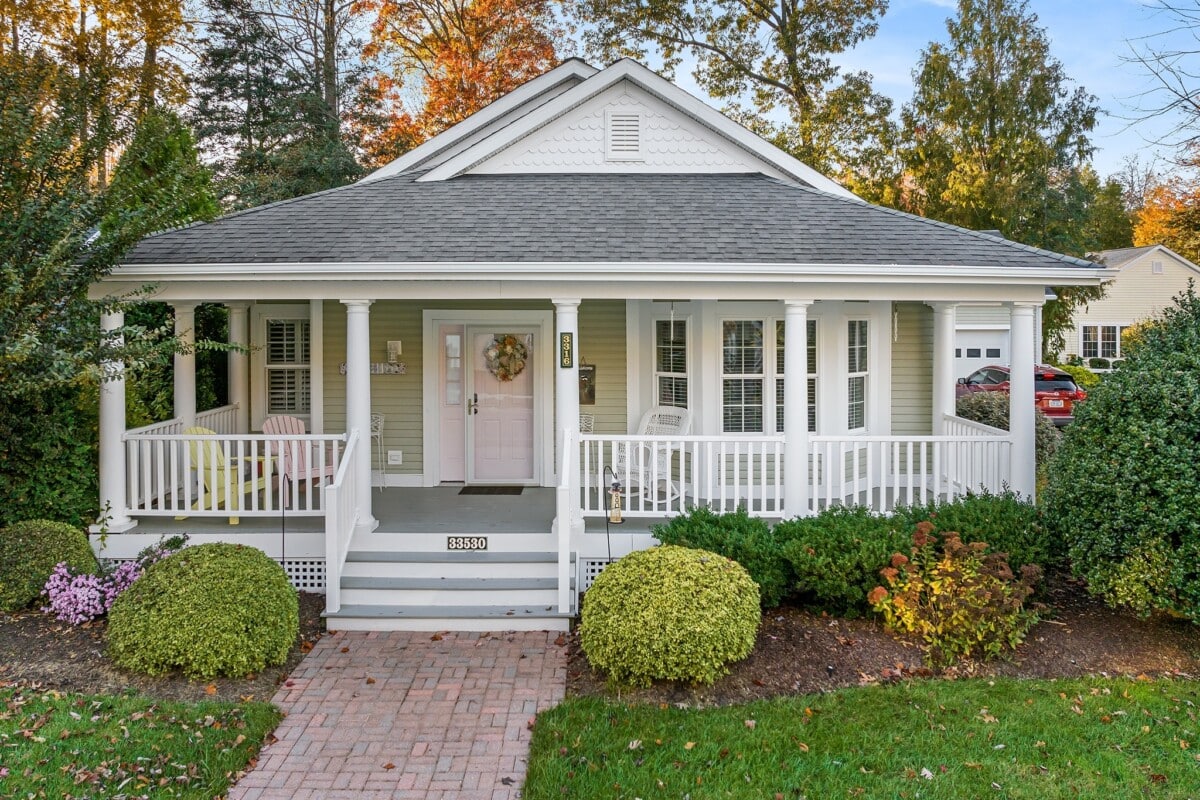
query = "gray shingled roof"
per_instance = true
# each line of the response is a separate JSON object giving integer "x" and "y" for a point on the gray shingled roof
{"x": 1121, "y": 257}
{"x": 732, "y": 218}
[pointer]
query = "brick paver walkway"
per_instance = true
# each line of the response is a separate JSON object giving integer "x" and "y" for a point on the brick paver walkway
{"x": 408, "y": 716}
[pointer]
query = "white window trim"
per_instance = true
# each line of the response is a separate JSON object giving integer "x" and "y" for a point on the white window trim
{"x": 261, "y": 313}
{"x": 1098, "y": 326}
{"x": 688, "y": 344}
{"x": 765, "y": 376}
{"x": 865, "y": 374}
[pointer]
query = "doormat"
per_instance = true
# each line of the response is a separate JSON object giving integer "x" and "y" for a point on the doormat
{"x": 491, "y": 490}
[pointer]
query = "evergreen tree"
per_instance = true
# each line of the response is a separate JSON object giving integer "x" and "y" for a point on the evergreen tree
{"x": 267, "y": 124}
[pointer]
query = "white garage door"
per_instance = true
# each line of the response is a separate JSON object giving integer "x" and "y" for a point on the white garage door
{"x": 979, "y": 348}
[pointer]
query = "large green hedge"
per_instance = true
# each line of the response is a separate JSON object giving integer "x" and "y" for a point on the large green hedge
{"x": 669, "y": 613}
{"x": 1124, "y": 490}
{"x": 209, "y": 610}
{"x": 30, "y": 550}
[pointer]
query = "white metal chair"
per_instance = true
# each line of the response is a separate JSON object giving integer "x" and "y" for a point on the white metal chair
{"x": 377, "y": 440}
{"x": 648, "y": 466}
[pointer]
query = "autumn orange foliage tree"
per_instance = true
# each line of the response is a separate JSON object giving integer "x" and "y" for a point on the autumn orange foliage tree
{"x": 448, "y": 59}
{"x": 1170, "y": 215}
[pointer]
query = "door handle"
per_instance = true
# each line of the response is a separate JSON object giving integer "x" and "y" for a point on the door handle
{"x": 473, "y": 404}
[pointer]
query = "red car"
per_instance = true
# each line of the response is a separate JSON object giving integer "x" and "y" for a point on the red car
{"x": 1055, "y": 392}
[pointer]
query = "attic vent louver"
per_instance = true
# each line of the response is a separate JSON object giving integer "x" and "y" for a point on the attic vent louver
{"x": 623, "y": 136}
{"x": 1156, "y": 267}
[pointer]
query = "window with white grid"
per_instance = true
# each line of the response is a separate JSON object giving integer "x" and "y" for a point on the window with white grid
{"x": 287, "y": 353}
{"x": 1102, "y": 341}
{"x": 671, "y": 363}
{"x": 812, "y": 375}
{"x": 857, "y": 368}
{"x": 742, "y": 376}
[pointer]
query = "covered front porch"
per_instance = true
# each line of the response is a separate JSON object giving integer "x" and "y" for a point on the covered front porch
{"x": 343, "y": 519}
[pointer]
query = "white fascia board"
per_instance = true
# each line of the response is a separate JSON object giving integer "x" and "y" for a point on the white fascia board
{"x": 525, "y": 93}
{"x": 587, "y": 272}
{"x": 1164, "y": 249}
{"x": 630, "y": 70}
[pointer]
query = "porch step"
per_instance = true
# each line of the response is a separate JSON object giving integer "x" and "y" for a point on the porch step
{"x": 444, "y": 590}
{"x": 452, "y": 556}
{"x": 440, "y": 618}
{"x": 450, "y": 584}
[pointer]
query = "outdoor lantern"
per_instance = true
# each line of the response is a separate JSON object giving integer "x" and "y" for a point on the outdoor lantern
{"x": 614, "y": 504}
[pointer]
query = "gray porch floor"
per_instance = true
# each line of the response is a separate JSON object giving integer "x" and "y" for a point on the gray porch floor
{"x": 439, "y": 509}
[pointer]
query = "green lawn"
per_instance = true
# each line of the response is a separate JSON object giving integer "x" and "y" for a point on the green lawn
{"x": 1106, "y": 739}
{"x": 76, "y": 746}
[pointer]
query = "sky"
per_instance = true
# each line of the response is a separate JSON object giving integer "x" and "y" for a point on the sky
{"x": 1089, "y": 37}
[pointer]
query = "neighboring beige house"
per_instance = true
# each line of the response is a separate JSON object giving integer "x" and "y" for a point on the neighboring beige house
{"x": 1146, "y": 281}
{"x": 479, "y": 334}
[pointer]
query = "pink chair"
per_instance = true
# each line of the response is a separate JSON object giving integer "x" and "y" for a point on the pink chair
{"x": 295, "y": 458}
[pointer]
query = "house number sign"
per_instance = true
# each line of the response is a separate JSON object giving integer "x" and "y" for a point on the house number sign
{"x": 566, "y": 352}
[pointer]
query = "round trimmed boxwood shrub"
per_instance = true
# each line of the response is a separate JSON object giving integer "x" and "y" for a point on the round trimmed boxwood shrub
{"x": 747, "y": 540}
{"x": 209, "y": 610}
{"x": 669, "y": 613}
{"x": 29, "y": 552}
{"x": 1125, "y": 487}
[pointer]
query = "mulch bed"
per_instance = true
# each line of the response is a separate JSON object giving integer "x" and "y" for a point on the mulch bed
{"x": 798, "y": 652}
{"x": 37, "y": 649}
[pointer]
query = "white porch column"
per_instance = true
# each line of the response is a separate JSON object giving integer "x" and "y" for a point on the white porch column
{"x": 795, "y": 408}
{"x": 239, "y": 363}
{"x": 358, "y": 400}
{"x": 185, "y": 364}
{"x": 114, "y": 516}
{"x": 1021, "y": 410}
{"x": 943, "y": 364}
{"x": 566, "y": 378}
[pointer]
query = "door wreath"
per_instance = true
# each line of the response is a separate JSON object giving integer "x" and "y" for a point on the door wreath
{"x": 506, "y": 356}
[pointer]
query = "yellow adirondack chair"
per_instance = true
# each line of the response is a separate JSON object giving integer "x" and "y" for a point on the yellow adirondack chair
{"x": 217, "y": 472}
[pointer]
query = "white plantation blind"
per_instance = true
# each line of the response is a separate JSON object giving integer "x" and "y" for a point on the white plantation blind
{"x": 670, "y": 363}
{"x": 624, "y": 136}
{"x": 289, "y": 386}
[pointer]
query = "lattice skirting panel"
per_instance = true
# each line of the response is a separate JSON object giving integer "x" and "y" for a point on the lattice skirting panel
{"x": 306, "y": 574}
{"x": 589, "y": 569}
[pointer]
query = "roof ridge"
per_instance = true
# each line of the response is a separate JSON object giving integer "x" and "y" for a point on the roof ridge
{"x": 1075, "y": 260}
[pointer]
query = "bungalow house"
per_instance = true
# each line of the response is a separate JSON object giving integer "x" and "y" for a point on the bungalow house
{"x": 595, "y": 280}
{"x": 1147, "y": 280}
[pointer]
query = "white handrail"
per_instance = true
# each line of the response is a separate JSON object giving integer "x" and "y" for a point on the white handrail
{"x": 341, "y": 515}
{"x": 956, "y": 426}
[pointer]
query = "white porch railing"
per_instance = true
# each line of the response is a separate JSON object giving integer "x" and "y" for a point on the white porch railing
{"x": 222, "y": 419}
{"x": 229, "y": 475}
{"x": 664, "y": 476}
{"x": 341, "y": 515}
{"x": 882, "y": 472}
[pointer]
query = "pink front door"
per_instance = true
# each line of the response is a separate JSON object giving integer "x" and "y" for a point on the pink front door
{"x": 500, "y": 408}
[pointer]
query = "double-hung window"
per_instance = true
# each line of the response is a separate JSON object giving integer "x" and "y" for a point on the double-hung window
{"x": 780, "y": 328}
{"x": 858, "y": 371}
{"x": 1102, "y": 341}
{"x": 671, "y": 363}
{"x": 743, "y": 376}
{"x": 288, "y": 379}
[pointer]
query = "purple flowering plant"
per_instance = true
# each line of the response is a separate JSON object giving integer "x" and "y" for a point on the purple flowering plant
{"x": 81, "y": 598}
